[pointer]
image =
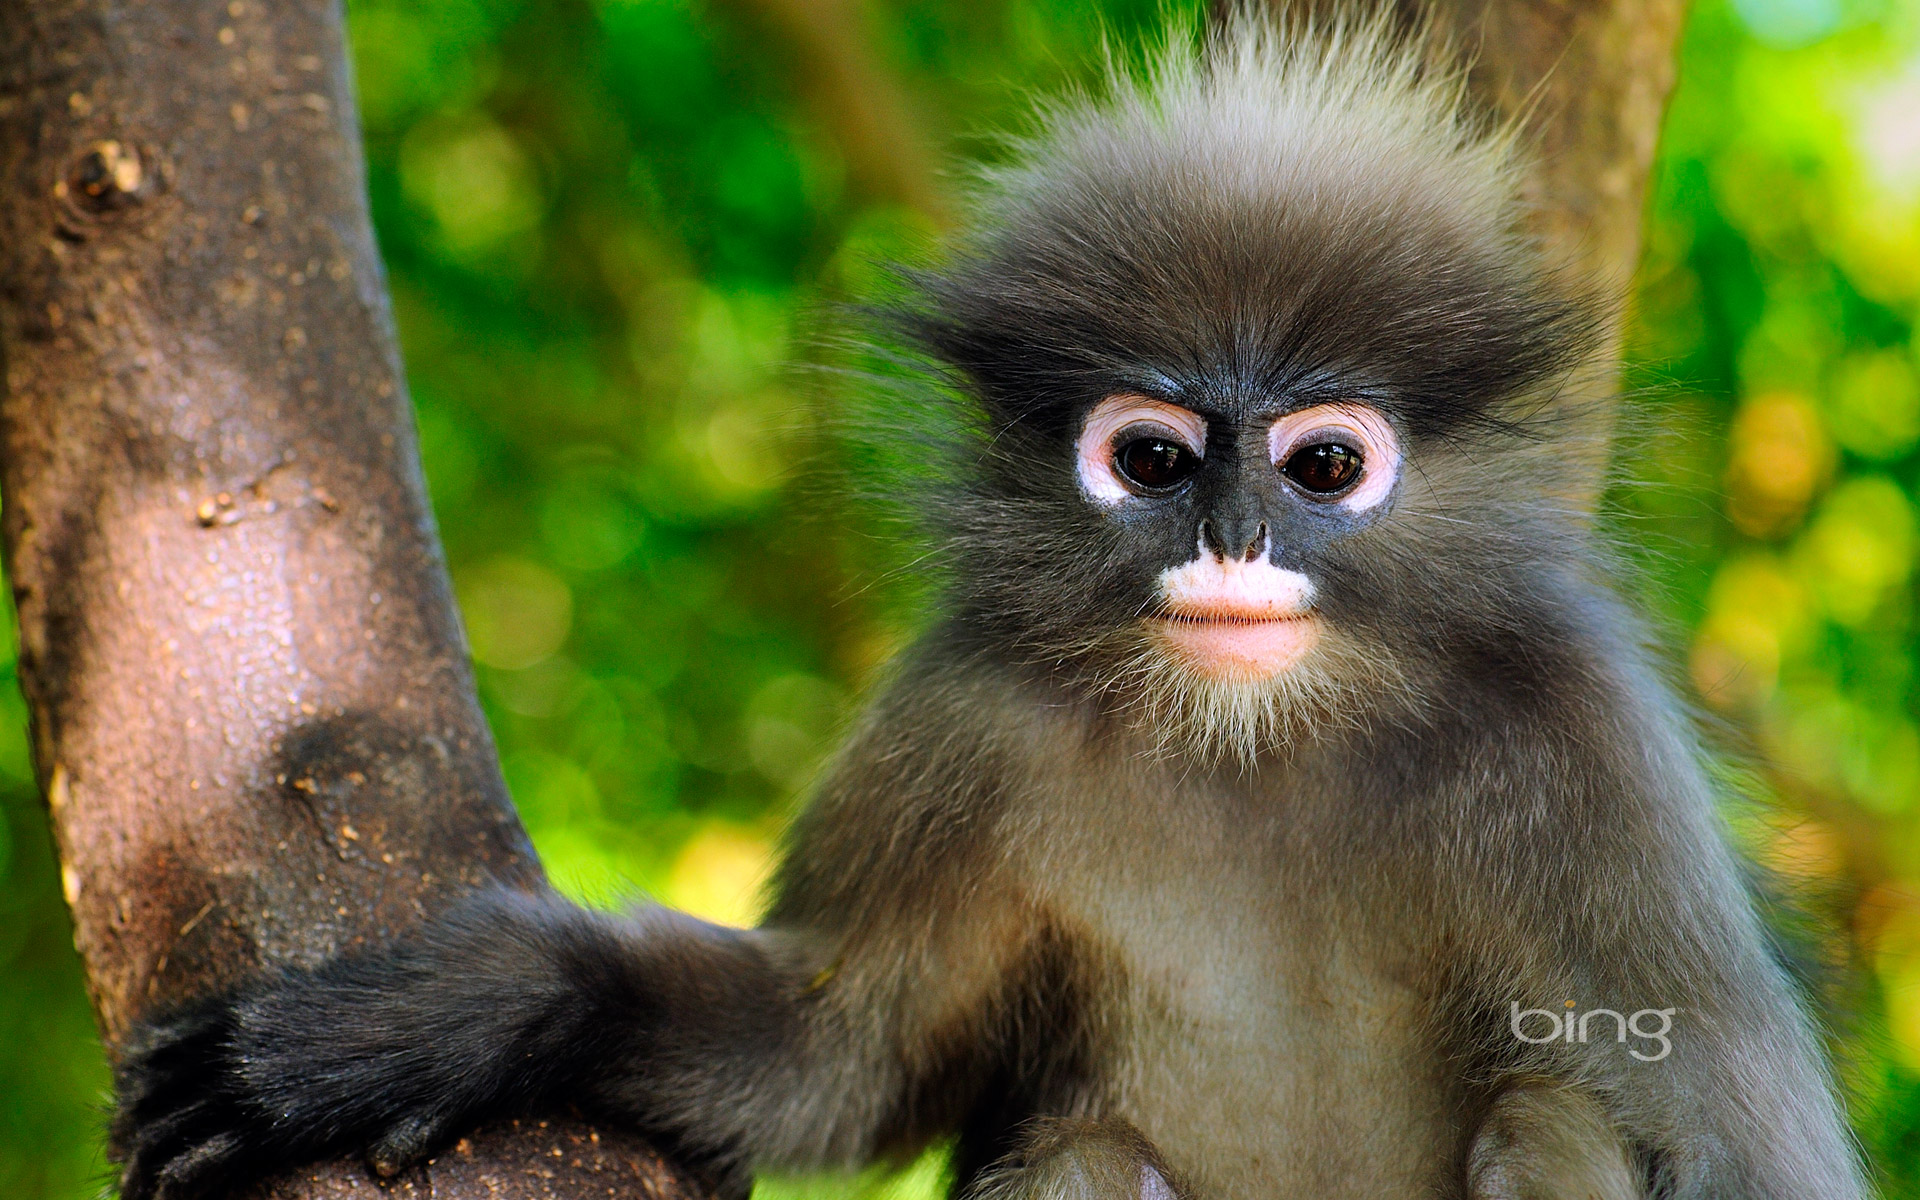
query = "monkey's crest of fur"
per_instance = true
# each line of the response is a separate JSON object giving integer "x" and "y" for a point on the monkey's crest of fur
{"x": 1275, "y": 200}
{"x": 1265, "y": 116}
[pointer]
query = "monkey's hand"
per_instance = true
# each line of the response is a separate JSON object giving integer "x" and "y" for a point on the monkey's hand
{"x": 509, "y": 1004}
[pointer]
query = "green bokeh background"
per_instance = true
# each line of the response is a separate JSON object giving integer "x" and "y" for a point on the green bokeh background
{"x": 608, "y": 225}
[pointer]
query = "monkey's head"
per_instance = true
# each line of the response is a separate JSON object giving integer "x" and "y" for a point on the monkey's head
{"x": 1268, "y": 375}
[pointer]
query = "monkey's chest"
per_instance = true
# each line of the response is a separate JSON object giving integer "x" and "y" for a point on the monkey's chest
{"x": 1271, "y": 1053}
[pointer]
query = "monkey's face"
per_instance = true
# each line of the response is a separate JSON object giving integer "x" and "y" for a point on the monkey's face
{"x": 1240, "y": 510}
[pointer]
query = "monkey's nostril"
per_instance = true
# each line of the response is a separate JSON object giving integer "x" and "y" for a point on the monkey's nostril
{"x": 1211, "y": 541}
{"x": 1258, "y": 544}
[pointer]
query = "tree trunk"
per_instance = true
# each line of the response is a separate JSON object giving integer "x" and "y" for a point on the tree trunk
{"x": 1591, "y": 79}
{"x": 253, "y": 716}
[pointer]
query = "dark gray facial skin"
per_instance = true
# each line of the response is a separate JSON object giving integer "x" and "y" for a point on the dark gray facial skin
{"x": 1162, "y": 868}
{"x": 1237, "y": 498}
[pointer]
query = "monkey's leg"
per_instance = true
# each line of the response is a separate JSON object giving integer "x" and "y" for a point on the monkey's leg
{"x": 1546, "y": 1141}
{"x": 1078, "y": 1160}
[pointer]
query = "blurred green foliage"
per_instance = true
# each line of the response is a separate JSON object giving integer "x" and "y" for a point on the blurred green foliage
{"x": 607, "y": 224}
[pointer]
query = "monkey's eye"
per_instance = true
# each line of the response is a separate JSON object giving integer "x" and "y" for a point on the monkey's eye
{"x": 1135, "y": 447}
{"x": 1323, "y": 468}
{"x": 1155, "y": 464}
{"x": 1344, "y": 455}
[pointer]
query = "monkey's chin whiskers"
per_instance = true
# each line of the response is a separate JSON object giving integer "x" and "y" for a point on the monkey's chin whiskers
{"x": 1235, "y": 647}
{"x": 1176, "y": 697}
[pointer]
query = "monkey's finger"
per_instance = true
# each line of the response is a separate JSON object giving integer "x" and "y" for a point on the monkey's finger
{"x": 188, "y": 1176}
{"x": 1154, "y": 1185}
{"x": 164, "y": 1154}
{"x": 406, "y": 1144}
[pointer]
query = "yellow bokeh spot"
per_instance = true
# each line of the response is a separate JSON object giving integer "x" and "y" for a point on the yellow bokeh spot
{"x": 1756, "y": 618}
{"x": 1874, "y": 229}
{"x": 1779, "y": 456}
{"x": 473, "y": 178}
{"x": 1885, "y": 775}
{"x": 732, "y": 415}
{"x": 1903, "y": 1011}
{"x": 1860, "y": 546}
{"x": 742, "y": 453}
{"x": 719, "y": 875}
{"x": 1805, "y": 851}
{"x": 1896, "y": 959}
{"x": 518, "y": 613}
{"x": 1843, "y": 744}
{"x": 1875, "y": 404}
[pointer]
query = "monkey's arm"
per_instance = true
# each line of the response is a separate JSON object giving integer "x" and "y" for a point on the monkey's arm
{"x": 811, "y": 1040}
{"x": 509, "y": 1003}
{"x": 1742, "y": 1106}
{"x": 1683, "y": 1051}
{"x": 1729, "y": 1104}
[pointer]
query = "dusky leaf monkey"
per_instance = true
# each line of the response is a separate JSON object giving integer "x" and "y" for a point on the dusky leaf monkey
{"x": 1284, "y": 805}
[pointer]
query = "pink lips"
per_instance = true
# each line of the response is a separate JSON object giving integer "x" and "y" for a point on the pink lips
{"x": 1239, "y": 645}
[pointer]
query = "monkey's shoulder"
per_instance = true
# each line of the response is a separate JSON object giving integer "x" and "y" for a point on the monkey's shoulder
{"x": 918, "y": 795}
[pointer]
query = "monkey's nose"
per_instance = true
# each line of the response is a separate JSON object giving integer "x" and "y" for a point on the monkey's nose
{"x": 1245, "y": 540}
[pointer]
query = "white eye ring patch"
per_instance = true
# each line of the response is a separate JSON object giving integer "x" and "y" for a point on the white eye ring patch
{"x": 1116, "y": 415}
{"x": 1353, "y": 425}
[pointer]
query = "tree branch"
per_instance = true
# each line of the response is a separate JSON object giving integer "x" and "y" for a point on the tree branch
{"x": 253, "y": 716}
{"x": 858, "y": 100}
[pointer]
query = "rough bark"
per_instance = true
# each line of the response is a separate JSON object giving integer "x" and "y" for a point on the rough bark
{"x": 1591, "y": 78}
{"x": 253, "y": 716}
